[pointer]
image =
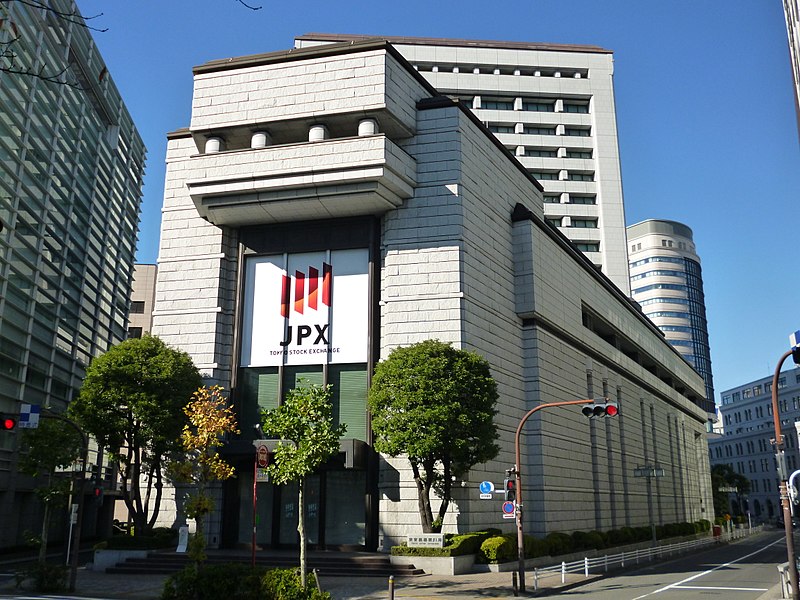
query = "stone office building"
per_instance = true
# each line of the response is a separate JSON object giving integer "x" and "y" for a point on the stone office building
{"x": 326, "y": 205}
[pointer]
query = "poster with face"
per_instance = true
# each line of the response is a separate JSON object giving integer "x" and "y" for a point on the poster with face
{"x": 307, "y": 308}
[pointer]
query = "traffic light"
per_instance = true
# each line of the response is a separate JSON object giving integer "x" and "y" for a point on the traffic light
{"x": 510, "y": 489}
{"x": 97, "y": 492}
{"x": 600, "y": 408}
{"x": 7, "y": 423}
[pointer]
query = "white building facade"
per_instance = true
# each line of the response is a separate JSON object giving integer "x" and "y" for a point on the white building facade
{"x": 744, "y": 443}
{"x": 667, "y": 281}
{"x": 327, "y": 205}
{"x": 552, "y": 106}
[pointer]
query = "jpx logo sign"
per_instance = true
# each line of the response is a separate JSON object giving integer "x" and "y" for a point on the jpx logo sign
{"x": 307, "y": 308}
{"x": 308, "y": 294}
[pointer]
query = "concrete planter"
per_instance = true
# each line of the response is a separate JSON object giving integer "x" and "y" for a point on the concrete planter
{"x": 103, "y": 559}
{"x": 438, "y": 565}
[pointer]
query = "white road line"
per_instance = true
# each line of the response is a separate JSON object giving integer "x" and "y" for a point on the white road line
{"x": 718, "y": 567}
{"x": 732, "y": 589}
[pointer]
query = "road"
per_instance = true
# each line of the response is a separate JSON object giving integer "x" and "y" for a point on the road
{"x": 740, "y": 571}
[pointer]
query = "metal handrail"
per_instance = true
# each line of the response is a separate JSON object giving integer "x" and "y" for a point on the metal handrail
{"x": 603, "y": 563}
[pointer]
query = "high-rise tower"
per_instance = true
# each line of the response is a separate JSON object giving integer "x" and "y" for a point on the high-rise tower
{"x": 667, "y": 281}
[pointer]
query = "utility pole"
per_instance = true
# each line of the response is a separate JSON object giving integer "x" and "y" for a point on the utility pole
{"x": 780, "y": 456}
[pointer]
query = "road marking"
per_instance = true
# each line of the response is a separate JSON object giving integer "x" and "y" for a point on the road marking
{"x": 731, "y": 589}
{"x": 717, "y": 568}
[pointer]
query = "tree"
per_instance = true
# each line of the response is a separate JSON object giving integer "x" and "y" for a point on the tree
{"x": 53, "y": 445}
{"x": 132, "y": 403}
{"x": 210, "y": 419}
{"x": 435, "y": 404}
{"x": 304, "y": 423}
{"x": 725, "y": 476}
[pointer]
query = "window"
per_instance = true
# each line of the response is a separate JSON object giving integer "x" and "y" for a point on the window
{"x": 662, "y": 286}
{"x": 538, "y": 130}
{"x": 545, "y": 175}
{"x": 134, "y": 332}
{"x": 573, "y": 176}
{"x": 576, "y": 107}
{"x": 555, "y": 222}
{"x": 578, "y": 131}
{"x": 547, "y": 152}
{"x": 137, "y": 307}
{"x": 576, "y": 199}
{"x": 584, "y": 223}
{"x": 552, "y": 199}
{"x": 501, "y": 128}
{"x": 497, "y": 104}
{"x": 588, "y": 246}
{"x": 538, "y": 105}
{"x": 666, "y": 243}
{"x": 579, "y": 153}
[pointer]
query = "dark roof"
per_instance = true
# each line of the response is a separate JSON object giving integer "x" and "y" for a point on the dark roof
{"x": 425, "y": 41}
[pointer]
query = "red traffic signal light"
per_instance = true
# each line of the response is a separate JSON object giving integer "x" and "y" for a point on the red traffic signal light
{"x": 510, "y": 489}
{"x": 7, "y": 423}
{"x": 600, "y": 408}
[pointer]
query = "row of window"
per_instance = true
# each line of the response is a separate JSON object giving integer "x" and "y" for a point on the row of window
{"x": 527, "y": 104}
{"x": 661, "y": 286}
{"x": 551, "y": 152}
{"x": 570, "y": 199}
{"x": 756, "y": 390}
{"x": 488, "y": 69}
{"x": 659, "y": 273}
{"x": 572, "y": 131}
{"x": 668, "y": 259}
{"x": 563, "y": 175}
{"x": 581, "y": 223}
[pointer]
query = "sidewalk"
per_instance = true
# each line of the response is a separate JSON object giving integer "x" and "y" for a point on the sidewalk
{"x": 95, "y": 585}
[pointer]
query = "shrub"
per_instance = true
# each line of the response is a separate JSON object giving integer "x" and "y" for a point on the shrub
{"x": 498, "y": 549}
{"x": 622, "y": 536}
{"x": 535, "y": 548}
{"x": 211, "y": 582}
{"x": 161, "y": 537}
{"x": 284, "y": 584}
{"x": 455, "y": 545}
{"x": 596, "y": 540}
{"x": 45, "y": 577}
{"x": 558, "y": 543}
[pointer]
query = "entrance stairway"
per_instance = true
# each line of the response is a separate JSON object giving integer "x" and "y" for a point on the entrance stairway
{"x": 329, "y": 564}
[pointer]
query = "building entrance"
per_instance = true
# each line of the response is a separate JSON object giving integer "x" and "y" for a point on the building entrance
{"x": 335, "y": 504}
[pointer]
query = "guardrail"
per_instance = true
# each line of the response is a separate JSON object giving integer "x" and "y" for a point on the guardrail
{"x": 599, "y": 564}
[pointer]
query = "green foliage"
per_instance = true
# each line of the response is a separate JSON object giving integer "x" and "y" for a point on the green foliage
{"x": 210, "y": 420}
{"x": 435, "y": 404}
{"x": 305, "y": 418}
{"x": 588, "y": 540}
{"x": 44, "y": 578}
{"x": 238, "y": 581}
{"x": 498, "y": 549}
{"x": 725, "y": 476}
{"x": 52, "y": 445}
{"x": 558, "y": 543}
{"x": 131, "y": 401}
{"x": 285, "y": 584}
{"x": 455, "y": 545}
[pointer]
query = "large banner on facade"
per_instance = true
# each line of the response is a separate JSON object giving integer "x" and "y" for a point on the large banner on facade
{"x": 303, "y": 309}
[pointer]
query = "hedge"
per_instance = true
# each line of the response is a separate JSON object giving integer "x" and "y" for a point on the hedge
{"x": 455, "y": 545}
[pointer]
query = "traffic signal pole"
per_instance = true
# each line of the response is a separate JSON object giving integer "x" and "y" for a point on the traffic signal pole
{"x": 518, "y": 474}
{"x": 782, "y": 471}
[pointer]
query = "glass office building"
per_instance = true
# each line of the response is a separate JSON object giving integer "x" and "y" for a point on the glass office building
{"x": 71, "y": 165}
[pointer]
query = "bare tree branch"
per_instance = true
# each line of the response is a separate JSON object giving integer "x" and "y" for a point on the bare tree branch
{"x": 70, "y": 17}
{"x": 246, "y": 5}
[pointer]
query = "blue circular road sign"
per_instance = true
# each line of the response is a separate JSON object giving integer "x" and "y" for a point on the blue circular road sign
{"x": 486, "y": 487}
{"x": 508, "y": 508}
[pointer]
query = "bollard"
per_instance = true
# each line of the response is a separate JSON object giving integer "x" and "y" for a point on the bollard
{"x": 605, "y": 563}
{"x": 586, "y": 566}
{"x": 391, "y": 587}
{"x": 623, "y": 560}
{"x": 514, "y": 584}
{"x": 563, "y": 572}
{"x": 535, "y": 579}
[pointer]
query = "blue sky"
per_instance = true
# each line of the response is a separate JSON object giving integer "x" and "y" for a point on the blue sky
{"x": 705, "y": 112}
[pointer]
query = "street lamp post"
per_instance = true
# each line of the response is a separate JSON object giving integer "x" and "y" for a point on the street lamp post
{"x": 518, "y": 474}
{"x": 782, "y": 467}
{"x": 650, "y": 471}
